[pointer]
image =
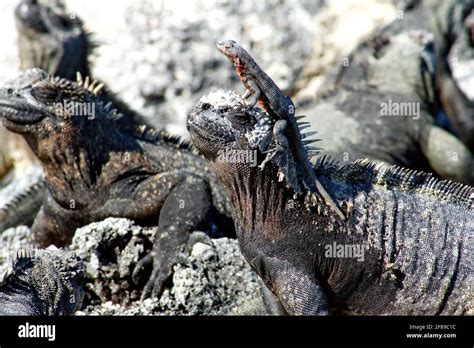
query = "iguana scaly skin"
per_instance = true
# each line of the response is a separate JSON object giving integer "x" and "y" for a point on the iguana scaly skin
{"x": 261, "y": 88}
{"x": 415, "y": 230}
{"x": 95, "y": 170}
{"x": 41, "y": 282}
{"x": 55, "y": 40}
{"x": 51, "y": 39}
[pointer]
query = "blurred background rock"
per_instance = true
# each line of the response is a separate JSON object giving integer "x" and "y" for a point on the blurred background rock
{"x": 159, "y": 56}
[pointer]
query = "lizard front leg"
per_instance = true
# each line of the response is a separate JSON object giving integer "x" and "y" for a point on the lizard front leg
{"x": 281, "y": 142}
{"x": 252, "y": 93}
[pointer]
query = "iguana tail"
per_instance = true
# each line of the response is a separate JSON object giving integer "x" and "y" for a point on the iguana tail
{"x": 23, "y": 207}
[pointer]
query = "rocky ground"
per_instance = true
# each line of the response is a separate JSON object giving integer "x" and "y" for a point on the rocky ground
{"x": 211, "y": 278}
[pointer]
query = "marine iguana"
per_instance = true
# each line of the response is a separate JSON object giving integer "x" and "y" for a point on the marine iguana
{"x": 52, "y": 39}
{"x": 261, "y": 88}
{"x": 95, "y": 170}
{"x": 41, "y": 282}
{"x": 414, "y": 232}
{"x": 383, "y": 95}
{"x": 55, "y": 40}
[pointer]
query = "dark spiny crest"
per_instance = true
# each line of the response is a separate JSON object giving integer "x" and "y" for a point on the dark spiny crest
{"x": 85, "y": 91}
{"x": 17, "y": 263}
{"x": 17, "y": 200}
{"x": 405, "y": 179}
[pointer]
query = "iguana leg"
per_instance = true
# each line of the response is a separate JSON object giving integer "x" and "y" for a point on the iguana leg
{"x": 296, "y": 288}
{"x": 45, "y": 230}
{"x": 184, "y": 210}
{"x": 271, "y": 302}
{"x": 300, "y": 293}
{"x": 281, "y": 142}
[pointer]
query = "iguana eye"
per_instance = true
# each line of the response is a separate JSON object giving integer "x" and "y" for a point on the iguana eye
{"x": 239, "y": 117}
{"x": 44, "y": 94}
{"x": 206, "y": 106}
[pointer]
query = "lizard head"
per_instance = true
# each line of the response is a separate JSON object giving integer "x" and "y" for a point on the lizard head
{"x": 51, "y": 39}
{"x": 229, "y": 48}
{"x": 221, "y": 122}
{"x": 53, "y": 114}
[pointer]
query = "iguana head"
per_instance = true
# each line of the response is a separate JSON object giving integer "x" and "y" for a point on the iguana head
{"x": 46, "y": 282}
{"x": 57, "y": 116}
{"x": 51, "y": 39}
{"x": 221, "y": 122}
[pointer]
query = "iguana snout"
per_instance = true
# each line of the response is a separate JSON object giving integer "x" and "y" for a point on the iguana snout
{"x": 18, "y": 105}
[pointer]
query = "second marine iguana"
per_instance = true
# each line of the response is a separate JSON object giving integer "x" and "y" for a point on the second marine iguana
{"x": 289, "y": 145}
{"x": 56, "y": 41}
{"x": 95, "y": 170}
{"x": 51, "y": 38}
{"x": 41, "y": 282}
{"x": 405, "y": 248}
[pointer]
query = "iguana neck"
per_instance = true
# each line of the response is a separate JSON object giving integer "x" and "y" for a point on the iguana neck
{"x": 260, "y": 201}
{"x": 75, "y": 167}
{"x": 252, "y": 192}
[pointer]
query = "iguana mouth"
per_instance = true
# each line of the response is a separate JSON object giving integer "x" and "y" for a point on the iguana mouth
{"x": 19, "y": 114}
